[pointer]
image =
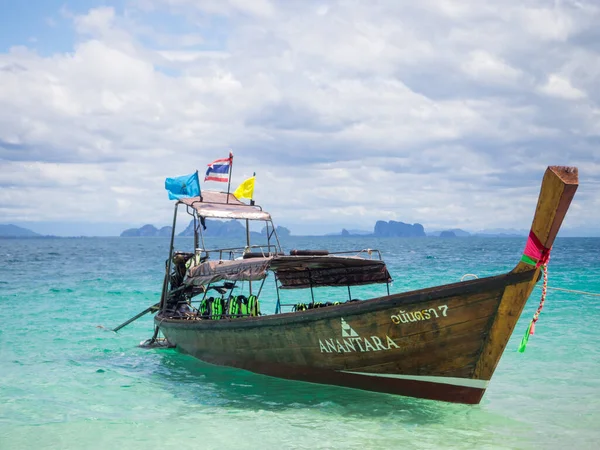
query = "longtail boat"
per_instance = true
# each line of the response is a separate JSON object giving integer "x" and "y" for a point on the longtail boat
{"x": 440, "y": 343}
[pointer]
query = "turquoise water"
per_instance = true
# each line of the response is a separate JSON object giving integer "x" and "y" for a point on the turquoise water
{"x": 68, "y": 383}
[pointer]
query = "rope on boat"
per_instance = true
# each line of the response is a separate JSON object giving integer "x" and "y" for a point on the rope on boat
{"x": 572, "y": 291}
{"x": 468, "y": 275}
{"x": 595, "y": 294}
{"x": 536, "y": 316}
{"x": 543, "y": 257}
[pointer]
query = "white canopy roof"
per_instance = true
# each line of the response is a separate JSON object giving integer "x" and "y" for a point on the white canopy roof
{"x": 220, "y": 205}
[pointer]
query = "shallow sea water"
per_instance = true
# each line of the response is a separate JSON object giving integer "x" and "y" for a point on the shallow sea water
{"x": 66, "y": 382}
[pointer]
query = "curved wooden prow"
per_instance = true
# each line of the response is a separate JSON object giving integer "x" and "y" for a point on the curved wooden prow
{"x": 558, "y": 188}
{"x": 557, "y": 191}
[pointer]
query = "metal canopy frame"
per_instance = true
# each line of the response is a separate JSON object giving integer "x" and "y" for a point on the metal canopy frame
{"x": 220, "y": 205}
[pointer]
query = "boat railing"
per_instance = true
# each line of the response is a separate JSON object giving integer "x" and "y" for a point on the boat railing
{"x": 243, "y": 252}
{"x": 366, "y": 253}
{"x": 362, "y": 252}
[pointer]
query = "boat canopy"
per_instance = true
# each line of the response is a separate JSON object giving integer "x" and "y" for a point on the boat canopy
{"x": 299, "y": 272}
{"x": 251, "y": 269}
{"x": 220, "y": 205}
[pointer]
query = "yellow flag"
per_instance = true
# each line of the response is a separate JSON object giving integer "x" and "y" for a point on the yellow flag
{"x": 246, "y": 189}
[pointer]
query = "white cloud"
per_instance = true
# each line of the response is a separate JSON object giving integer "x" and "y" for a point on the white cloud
{"x": 426, "y": 112}
{"x": 483, "y": 66}
{"x": 554, "y": 24}
{"x": 191, "y": 56}
{"x": 97, "y": 21}
{"x": 260, "y": 8}
{"x": 558, "y": 86}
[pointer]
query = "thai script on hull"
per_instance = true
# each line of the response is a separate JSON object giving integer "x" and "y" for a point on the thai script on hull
{"x": 424, "y": 314}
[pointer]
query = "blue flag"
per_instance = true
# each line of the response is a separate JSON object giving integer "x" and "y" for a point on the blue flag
{"x": 184, "y": 186}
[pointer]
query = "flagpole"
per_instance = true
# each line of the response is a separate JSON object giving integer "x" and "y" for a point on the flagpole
{"x": 248, "y": 235}
{"x": 230, "y": 172}
{"x": 252, "y": 199}
{"x": 199, "y": 190}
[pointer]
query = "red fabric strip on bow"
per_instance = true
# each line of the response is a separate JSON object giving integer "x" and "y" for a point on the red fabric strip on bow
{"x": 535, "y": 250}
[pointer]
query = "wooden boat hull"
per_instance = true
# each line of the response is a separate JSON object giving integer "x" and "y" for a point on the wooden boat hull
{"x": 441, "y": 343}
{"x": 428, "y": 343}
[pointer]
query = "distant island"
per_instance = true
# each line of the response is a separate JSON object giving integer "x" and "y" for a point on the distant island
{"x": 453, "y": 232}
{"x": 14, "y": 231}
{"x": 147, "y": 231}
{"x": 501, "y": 232}
{"x": 401, "y": 229}
{"x": 386, "y": 229}
{"x": 398, "y": 229}
{"x": 233, "y": 228}
{"x": 214, "y": 228}
{"x": 448, "y": 234}
{"x": 390, "y": 228}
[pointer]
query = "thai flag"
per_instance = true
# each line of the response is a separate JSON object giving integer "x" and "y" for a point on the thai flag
{"x": 218, "y": 170}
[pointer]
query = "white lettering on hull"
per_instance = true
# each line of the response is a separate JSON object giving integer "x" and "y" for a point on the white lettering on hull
{"x": 357, "y": 345}
{"x": 352, "y": 342}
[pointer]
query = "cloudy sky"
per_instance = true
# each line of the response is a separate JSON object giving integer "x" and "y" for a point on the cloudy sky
{"x": 440, "y": 112}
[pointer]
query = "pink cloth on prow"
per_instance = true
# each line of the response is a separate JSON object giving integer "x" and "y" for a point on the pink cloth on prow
{"x": 534, "y": 249}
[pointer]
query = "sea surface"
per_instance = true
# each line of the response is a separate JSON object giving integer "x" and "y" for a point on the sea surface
{"x": 68, "y": 382}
